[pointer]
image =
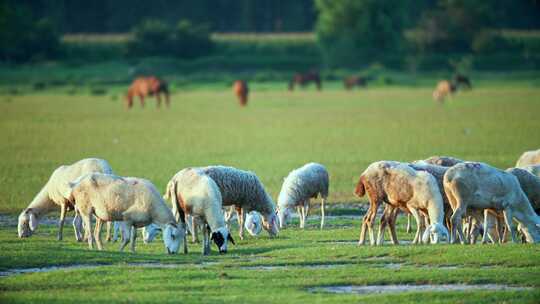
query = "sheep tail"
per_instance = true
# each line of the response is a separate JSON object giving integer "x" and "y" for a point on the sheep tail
{"x": 360, "y": 189}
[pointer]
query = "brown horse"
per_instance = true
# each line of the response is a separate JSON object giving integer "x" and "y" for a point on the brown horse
{"x": 352, "y": 81}
{"x": 241, "y": 90}
{"x": 147, "y": 86}
{"x": 303, "y": 79}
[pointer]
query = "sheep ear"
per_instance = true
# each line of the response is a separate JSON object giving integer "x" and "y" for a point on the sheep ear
{"x": 229, "y": 237}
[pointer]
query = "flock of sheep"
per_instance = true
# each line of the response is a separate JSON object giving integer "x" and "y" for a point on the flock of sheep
{"x": 449, "y": 199}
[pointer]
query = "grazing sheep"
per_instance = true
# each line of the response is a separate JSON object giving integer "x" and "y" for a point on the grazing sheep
{"x": 302, "y": 184}
{"x": 134, "y": 201}
{"x": 529, "y": 158}
{"x": 244, "y": 190}
{"x": 480, "y": 186}
{"x": 241, "y": 90}
{"x": 530, "y": 184}
{"x": 253, "y": 223}
{"x": 194, "y": 193}
{"x": 401, "y": 186}
{"x": 144, "y": 86}
{"x": 445, "y": 161}
{"x": 53, "y": 195}
{"x": 444, "y": 88}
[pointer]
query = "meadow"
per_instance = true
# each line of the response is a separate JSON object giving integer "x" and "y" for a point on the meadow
{"x": 276, "y": 132}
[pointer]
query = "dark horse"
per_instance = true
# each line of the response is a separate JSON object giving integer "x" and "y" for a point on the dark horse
{"x": 303, "y": 79}
{"x": 241, "y": 91}
{"x": 462, "y": 81}
{"x": 147, "y": 86}
{"x": 352, "y": 81}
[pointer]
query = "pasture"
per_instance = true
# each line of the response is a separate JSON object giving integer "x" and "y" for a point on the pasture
{"x": 276, "y": 132}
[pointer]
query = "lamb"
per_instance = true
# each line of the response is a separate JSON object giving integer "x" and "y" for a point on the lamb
{"x": 402, "y": 187}
{"x": 480, "y": 186}
{"x": 134, "y": 201}
{"x": 529, "y": 158}
{"x": 194, "y": 193}
{"x": 52, "y": 196}
{"x": 302, "y": 184}
{"x": 253, "y": 223}
{"x": 244, "y": 190}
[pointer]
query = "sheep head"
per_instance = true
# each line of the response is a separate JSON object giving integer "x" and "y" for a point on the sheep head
{"x": 434, "y": 233}
{"x": 173, "y": 236}
{"x": 254, "y": 223}
{"x": 269, "y": 223}
{"x": 27, "y": 223}
{"x": 220, "y": 238}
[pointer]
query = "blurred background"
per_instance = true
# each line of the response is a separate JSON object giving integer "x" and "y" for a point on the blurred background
{"x": 265, "y": 40}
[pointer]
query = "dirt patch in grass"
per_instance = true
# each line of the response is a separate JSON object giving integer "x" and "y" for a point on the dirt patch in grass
{"x": 385, "y": 289}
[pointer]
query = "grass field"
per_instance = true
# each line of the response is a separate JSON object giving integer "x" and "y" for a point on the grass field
{"x": 277, "y": 132}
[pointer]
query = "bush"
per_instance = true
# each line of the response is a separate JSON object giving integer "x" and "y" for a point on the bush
{"x": 156, "y": 38}
{"x": 22, "y": 38}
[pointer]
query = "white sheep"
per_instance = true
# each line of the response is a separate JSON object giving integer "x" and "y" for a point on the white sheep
{"x": 53, "y": 195}
{"x": 302, "y": 184}
{"x": 529, "y": 158}
{"x": 194, "y": 193}
{"x": 134, "y": 201}
{"x": 244, "y": 190}
{"x": 480, "y": 186}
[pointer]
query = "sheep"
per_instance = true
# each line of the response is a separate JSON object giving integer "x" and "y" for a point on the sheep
{"x": 444, "y": 88}
{"x": 529, "y": 158}
{"x": 194, "y": 193}
{"x": 444, "y": 161}
{"x": 244, "y": 190}
{"x": 52, "y": 195}
{"x": 253, "y": 223}
{"x": 302, "y": 184}
{"x": 402, "y": 187}
{"x": 241, "y": 90}
{"x": 530, "y": 184}
{"x": 134, "y": 201}
{"x": 480, "y": 186}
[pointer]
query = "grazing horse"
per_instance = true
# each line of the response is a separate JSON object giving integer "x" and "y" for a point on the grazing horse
{"x": 144, "y": 86}
{"x": 304, "y": 78}
{"x": 241, "y": 90}
{"x": 462, "y": 80}
{"x": 351, "y": 81}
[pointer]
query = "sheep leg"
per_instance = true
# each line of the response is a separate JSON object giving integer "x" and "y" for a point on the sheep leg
{"x": 508, "y": 220}
{"x": 206, "y": 240}
{"x": 485, "y": 234}
{"x": 241, "y": 219}
{"x": 456, "y": 225}
{"x": 409, "y": 223}
{"x": 126, "y": 230}
{"x": 61, "y": 221}
{"x": 78, "y": 226}
{"x": 419, "y": 225}
{"x": 108, "y": 232}
{"x": 116, "y": 227}
{"x": 382, "y": 225}
{"x": 322, "y": 212}
{"x": 133, "y": 238}
{"x": 97, "y": 233}
{"x": 301, "y": 216}
{"x": 88, "y": 228}
{"x": 194, "y": 228}
{"x": 392, "y": 226}
{"x": 306, "y": 211}
{"x": 299, "y": 212}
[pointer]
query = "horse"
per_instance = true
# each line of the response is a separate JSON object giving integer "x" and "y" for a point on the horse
{"x": 462, "y": 80}
{"x": 351, "y": 81}
{"x": 241, "y": 90}
{"x": 144, "y": 86}
{"x": 303, "y": 79}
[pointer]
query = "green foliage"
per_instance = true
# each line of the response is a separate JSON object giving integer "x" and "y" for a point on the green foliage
{"x": 157, "y": 38}
{"x": 353, "y": 31}
{"x": 22, "y": 38}
{"x": 453, "y": 26}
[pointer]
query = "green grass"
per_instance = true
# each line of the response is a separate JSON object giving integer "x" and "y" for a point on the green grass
{"x": 277, "y": 132}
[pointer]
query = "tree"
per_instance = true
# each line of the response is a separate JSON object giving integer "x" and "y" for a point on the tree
{"x": 359, "y": 30}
